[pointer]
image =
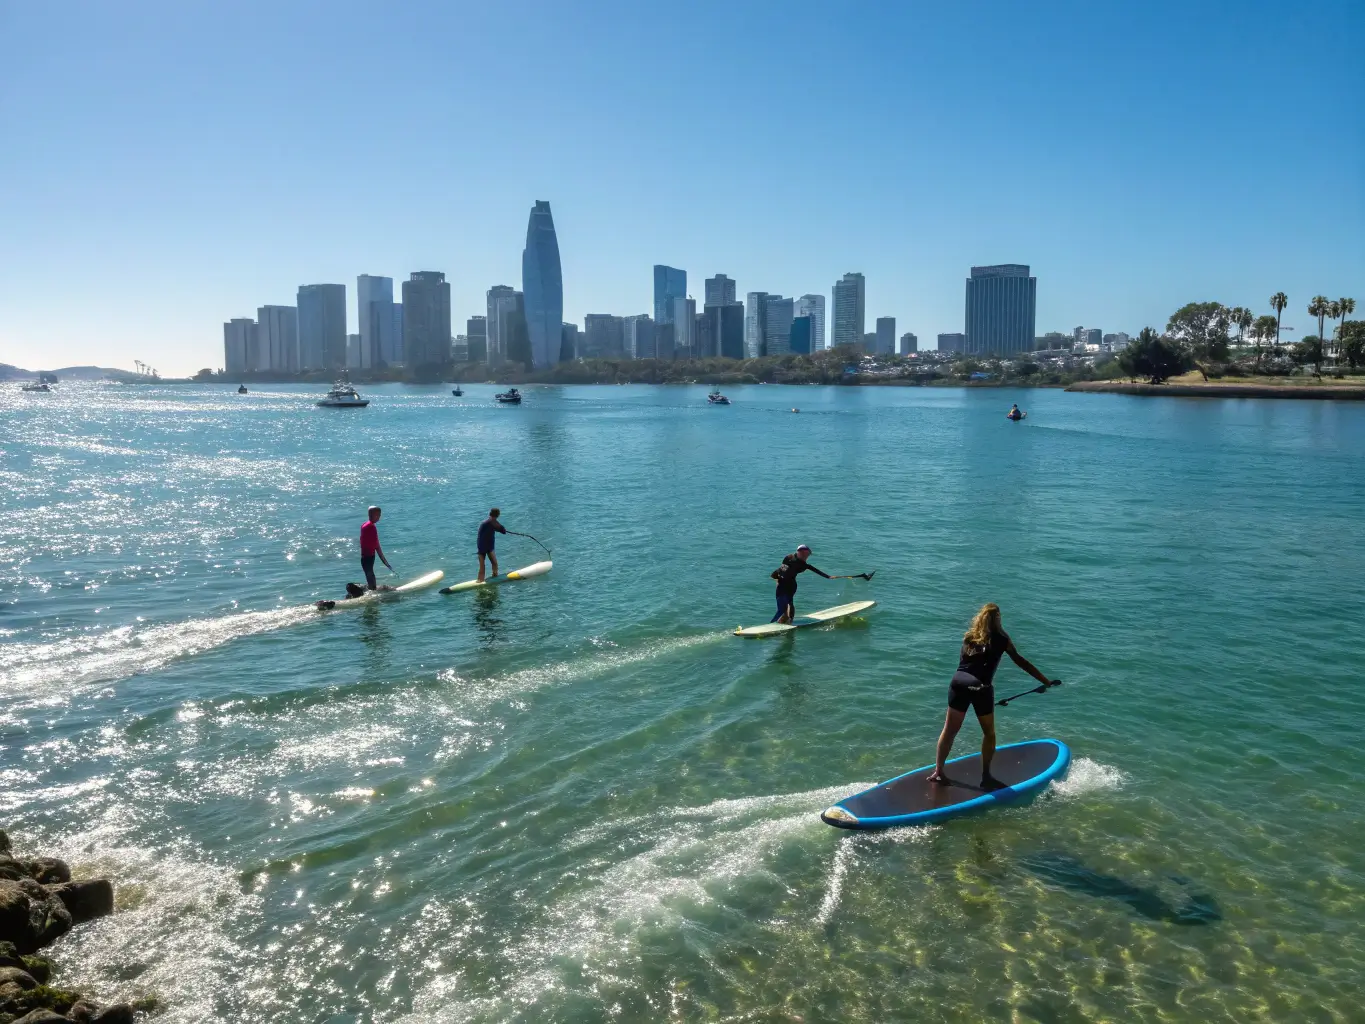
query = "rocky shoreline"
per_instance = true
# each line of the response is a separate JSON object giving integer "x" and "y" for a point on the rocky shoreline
{"x": 39, "y": 903}
{"x": 1339, "y": 392}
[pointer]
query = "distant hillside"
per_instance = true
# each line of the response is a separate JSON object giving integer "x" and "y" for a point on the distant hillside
{"x": 8, "y": 372}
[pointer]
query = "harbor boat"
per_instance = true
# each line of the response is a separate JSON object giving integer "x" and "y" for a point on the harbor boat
{"x": 241, "y": 389}
{"x": 716, "y": 398}
{"x": 457, "y": 391}
{"x": 343, "y": 396}
{"x": 37, "y": 387}
{"x": 509, "y": 397}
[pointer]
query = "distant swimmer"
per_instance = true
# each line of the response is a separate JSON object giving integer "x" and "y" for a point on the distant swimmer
{"x": 973, "y": 687}
{"x": 1015, "y": 414}
{"x": 369, "y": 547}
{"x": 488, "y": 531}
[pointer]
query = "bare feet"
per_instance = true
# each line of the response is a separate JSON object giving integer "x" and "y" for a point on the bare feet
{"x": 990, "y": 782}
{"x": 939, "y": 777}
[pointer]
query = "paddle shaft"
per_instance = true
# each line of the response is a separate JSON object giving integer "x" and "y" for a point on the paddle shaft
{"x": 529, "y": 537}
{"x": 1036, "y": 689}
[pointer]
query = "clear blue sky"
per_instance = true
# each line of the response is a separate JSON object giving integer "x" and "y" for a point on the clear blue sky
{"x": 166, "y": 166}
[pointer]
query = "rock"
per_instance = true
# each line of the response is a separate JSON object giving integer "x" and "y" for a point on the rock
{"x": 10, "y": 994}
{"x": 4, "y": 842}
{"x": 11, "y": 868}
{"x": 30, "y": 916}
{"x": 117, "y": 1013}
{"x": 40, "y": 968}
{"x": 9, "y": 956}
{"x": 47, "y": 870}
{"x": 43, "y": 1017}
{"x": 83, "y": 1013}
{"x": 86, "y": 901}
{"x": 18, "y": 977}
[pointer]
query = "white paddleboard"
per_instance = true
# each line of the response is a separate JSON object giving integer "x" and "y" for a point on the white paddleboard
{"x": 420, "y": 583}
{"x": 839, "y": 611}
{"x": 538, "y": 569}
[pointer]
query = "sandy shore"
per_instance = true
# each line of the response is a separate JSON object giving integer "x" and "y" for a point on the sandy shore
{"x": 1214, "y": 389}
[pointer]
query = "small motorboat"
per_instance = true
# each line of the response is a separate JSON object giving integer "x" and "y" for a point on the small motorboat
{"x": 509, "y": 397}
{"x": 1015, "y": 414}
{"x": 457, "y": 391}
{"x": 343, "y": 396}
{"x": 716, "y": 398}
{"x": 241, "y": 389}
{"x": 45, "y": 389}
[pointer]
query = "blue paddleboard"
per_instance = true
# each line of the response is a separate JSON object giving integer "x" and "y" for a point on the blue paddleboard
{"x": 1025, "y": 768}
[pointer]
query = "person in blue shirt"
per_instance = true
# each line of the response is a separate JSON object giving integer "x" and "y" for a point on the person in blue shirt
{"x": 488, "y": 530}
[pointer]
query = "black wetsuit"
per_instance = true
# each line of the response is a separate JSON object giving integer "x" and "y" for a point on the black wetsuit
{"x": 792, "y": 567}
{"x": 973, "y": 682}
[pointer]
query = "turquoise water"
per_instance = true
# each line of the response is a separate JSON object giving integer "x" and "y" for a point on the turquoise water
{"x": 578, "y": 798}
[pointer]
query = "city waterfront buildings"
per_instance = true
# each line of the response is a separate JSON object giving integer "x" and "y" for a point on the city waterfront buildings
{"x": 503, "y": 302}
{"x": 379, "y": 345}
{"x": 1115, "y": 342}
{"x": 886, "y": 335}
{"x": 720, "y": 291}
{"x": 684, "y": 323}
{"x": 352, "y": 350}
{"x": 850, "y": 310}
{"x": 670, "y": 284}
{"x": 703, "y": 339}
{"x": 777, "y": 325}
{"x": 322, "y": 326}
{"x": 755, "y": 323}
{"x": 476, "y": 338}
{"x": 603, "y": 336}
{"x": 1000, "y": 310}
{"x": 542, "y": 288}
{"x": 801, "y": 335}
{"x": 727, "y": 329}
{"x": 239, "y": 346}
{"x": 277, "y": 338}
{"x": 426, "y": 319}
{"x": 956, "y": 343}
{"x": 813, "y": 306}
{"x": 909, "y": 344}
{"x": 638, "y": 338}
{"x": 568, "y": 342}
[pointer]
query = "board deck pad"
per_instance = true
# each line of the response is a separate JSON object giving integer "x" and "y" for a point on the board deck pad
{"x": 910, "y": 799}
{"x": 525, "y": 573}
{"x": 839, "y": 611}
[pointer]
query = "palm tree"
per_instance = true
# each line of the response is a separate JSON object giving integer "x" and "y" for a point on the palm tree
{"x": 1319, "y": 308}
{"x": 1344, "y": 308}
{"x": 1242, "y": 318}
{"x": 1262, "y": 331}
{"x": 1277, "y": 302}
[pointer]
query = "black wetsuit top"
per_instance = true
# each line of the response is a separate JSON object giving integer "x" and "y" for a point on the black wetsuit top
{"x": 486, "y": 529}
{"x": 981, "y": 661}
{"x": 792, "y": 567}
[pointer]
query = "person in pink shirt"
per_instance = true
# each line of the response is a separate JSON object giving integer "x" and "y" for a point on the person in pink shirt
{"x": 370, "y": 549}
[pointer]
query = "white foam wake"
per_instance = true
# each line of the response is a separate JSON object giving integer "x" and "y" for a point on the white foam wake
{"x": 1087, "y": 776}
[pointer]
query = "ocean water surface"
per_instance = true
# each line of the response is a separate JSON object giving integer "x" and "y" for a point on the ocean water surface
{"x": 579, "y": 798}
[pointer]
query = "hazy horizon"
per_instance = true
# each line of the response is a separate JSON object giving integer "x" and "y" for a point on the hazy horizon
{"x": 172, "y": 168}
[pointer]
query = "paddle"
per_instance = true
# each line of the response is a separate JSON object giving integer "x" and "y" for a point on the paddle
{"x": 529, "y": 537}
{"x": 1036, "y": 689}
{"x": 857, "y": 576}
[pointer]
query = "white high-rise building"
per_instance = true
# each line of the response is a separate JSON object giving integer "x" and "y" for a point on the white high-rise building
{"x": 503, "y": 301}
{"x": 277, "y": 338}
{"x": 684, "y": 325}
{"x": 755, "y": 323}
{"x": 239, "y": 346}
{"x": 375, "y": 325}
{"x": 813, "y": 306}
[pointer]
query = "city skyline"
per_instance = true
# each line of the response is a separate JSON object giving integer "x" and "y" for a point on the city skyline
{"x": 140, "y": 191}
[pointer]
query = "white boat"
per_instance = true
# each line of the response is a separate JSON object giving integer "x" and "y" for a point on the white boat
{"x": 716, "y": 398}
{"x": 343, "y": 396}
{"x": 36, "y": 387}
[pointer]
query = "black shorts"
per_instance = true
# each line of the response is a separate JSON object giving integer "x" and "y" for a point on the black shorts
{"x": 966, "y": 691}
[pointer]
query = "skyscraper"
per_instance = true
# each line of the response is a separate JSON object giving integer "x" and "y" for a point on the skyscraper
{"x": 1000, "y": 310}
{"x": 720, "y": 291}
{"x": 777, "y": 325}
{"x": 426, "y": 320}
{"x": 886, "y": 335}
{"x": 476, "y": 331}
{"x": 568, "y": 342}
{"x": 603, "y": 336}
{"x": 239, "y": 346}
{"x": 277, "y": 338}
{"x": 684, "y": 322}
{"x": 703, "y": 341}
{"x": 374, "y": 328}
{"x": 801, "y": 335}
{"x": 502, "y": 305}
{"x": 322, "y": 326}
{"x": 813, "y": 306}
{"x": 727, "y": 329}
{"x": 952, "y": 343}
{"x": 542, "y": 287}
{"x": 669, "y": 284}
{"x": 638, "y": 336}
{"x": 909, "y": 344}
{"x": 755, "y": 323}
{"x": 850, "y": 310}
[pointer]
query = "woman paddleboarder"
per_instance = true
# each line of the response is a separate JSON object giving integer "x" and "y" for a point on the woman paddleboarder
{"x": 973, "y": 687}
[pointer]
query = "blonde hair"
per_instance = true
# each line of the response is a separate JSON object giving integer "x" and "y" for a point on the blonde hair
{"x": 985, "y": 625}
